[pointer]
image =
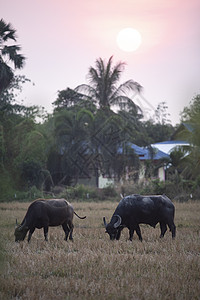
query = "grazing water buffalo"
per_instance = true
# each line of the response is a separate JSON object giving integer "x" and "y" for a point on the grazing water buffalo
{"x": 44, "y": 213}
{"x": 136, "y": 209}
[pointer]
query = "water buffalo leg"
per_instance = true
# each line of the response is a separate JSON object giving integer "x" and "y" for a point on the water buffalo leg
{"x": 118, "y": 234}
{"x": 138, "y": 232}
{"x": 131, "y": 232}
{"x": 66, "y": 230}
{"x": 163, "y": 228}
{"x": 46, "y": 233}
{"x": 30, "y": 234}
{"x": 71, "y": 226}
{"x": 172, "y": 228}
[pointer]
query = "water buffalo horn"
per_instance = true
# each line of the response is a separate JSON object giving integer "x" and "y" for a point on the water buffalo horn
{"x": 118, "y": 221}
{"x": 22, "y": 226}
{"x": 104, "y": 221}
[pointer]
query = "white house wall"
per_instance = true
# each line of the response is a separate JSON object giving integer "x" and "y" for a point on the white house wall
{"x": 104, "y": 182}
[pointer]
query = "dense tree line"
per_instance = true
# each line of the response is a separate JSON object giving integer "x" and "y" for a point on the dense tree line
{"x": 83, "y": 135}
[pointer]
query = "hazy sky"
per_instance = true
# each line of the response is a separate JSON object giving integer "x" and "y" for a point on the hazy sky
{"x": 62, "y": 39}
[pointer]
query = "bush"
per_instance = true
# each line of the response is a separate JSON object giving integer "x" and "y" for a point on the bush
{"x": 179, "y": 191}
{"x": 86, "y": 193}
{"x": 109, "y": 192}
{"x": 79, "y": 193}
{"x": 15, "y": 195}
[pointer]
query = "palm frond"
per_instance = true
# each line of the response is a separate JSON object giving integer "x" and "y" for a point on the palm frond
{"x": 126, "y": 87}
{"x": 116, "y": 73}
{"x": 88, "y": 91}
{"x": 6, "y": 75}
{"x": 93, "y": 77}
{"x": 8, "y": 52}
{"x": 100, "y": 68}
{"x": 6, "y": 31}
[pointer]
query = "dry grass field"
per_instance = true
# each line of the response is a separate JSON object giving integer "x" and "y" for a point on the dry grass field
{"x": 93, "y": 267}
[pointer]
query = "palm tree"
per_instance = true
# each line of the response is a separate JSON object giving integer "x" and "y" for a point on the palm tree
{"x": 8, "y": 53}
{"x": 102, "y": 85}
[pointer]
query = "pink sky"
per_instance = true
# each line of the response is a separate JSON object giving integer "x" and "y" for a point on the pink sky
{"x": 62, "y": 39}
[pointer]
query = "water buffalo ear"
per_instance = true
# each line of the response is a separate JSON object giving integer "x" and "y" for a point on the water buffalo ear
{"x": 22, "y": 227}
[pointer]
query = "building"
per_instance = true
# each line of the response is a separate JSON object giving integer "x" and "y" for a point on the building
{"x": 147, "y": 155}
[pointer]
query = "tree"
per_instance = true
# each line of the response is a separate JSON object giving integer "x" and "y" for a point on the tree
{"x": 8, "y": 96}
{"x": 192, "y": 111}
{"x": 103, "y": 89}
{"x": 12, "y": 114}
{"x": 69, "y": 99}
{"x": 10, "y": 53}
{"x": 159, "y": 128}
{"x": 29, "y": 154}
{"x": 71, "y": 139}
{"x": 161, "y": 114}
{"x": 191, "y": 115}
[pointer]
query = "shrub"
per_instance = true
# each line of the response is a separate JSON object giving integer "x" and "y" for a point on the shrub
{"x": 179, "y": 191}
{"x": 109, "y": 191}
{"x": 79, "y": 193}
{"x": 86, "y": 193}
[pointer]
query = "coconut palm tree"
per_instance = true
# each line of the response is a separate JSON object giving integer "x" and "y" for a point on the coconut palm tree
{"x": 103, "y": 87}
{"x": 8, "y": 54}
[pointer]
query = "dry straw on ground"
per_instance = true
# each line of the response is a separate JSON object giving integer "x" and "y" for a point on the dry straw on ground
{"x": 93, "y": 267}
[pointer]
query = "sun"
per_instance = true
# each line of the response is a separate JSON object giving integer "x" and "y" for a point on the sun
{"x": 129, "y": 39}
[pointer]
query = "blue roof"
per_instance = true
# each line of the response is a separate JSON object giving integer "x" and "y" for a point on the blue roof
{"x": 145, "y": 153}
{"x": 138, "y": 150}
{"x": 171, "y": 142}
{"x": 158, "y": 154}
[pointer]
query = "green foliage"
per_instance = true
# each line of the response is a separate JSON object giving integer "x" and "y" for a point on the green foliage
{"x": 181, "y": 190}
{"x": 159, "y": 127}
{"x": 8, "y": 53}
{"x": 192, "y": 111}
{"x": 109, "y": 192}
{"x": 7, "y": 186}
{"x": 79, "y": 193}
{"x": 103, "y": 86}
{"x": 157, "y": 132}
{"x": 25, "y": 195}
{"x": 69, "y": 98}
{"x": 86, "y": 193}
{"x": 32, "y": 148}
{"x": 31, "y": 172}
{"x": 161, "y": 114}
{"x": 191, "y": 133}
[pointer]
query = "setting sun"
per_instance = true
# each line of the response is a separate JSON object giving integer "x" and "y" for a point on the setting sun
{"x": 129, "y": 39}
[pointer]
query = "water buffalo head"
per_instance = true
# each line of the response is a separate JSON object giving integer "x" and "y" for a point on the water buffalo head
{"x": 112, "y": 228}
{"x": 20, "y": 232}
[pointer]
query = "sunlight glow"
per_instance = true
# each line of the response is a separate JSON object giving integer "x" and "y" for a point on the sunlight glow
{"x": 129, "y": 39}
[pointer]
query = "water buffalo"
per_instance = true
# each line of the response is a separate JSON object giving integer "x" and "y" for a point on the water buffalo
{"x": 44, "y": 213}
{"x": 137, "y": 209}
